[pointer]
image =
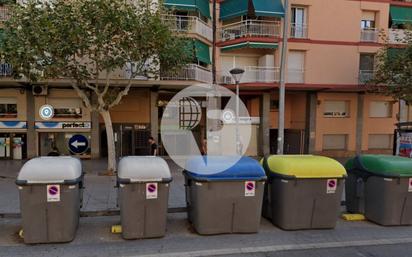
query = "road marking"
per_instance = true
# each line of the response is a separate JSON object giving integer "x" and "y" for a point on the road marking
{"x": 278, "y": 248}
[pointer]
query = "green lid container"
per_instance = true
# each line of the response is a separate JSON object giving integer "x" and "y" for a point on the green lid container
{"x": 380, "y": 165}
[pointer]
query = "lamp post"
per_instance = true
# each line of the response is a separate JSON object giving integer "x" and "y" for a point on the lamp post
{"x": 281, "y": 118}
{"x": 237, "y": 75}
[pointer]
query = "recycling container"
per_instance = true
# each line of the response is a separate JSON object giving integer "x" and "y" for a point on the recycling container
{"x": 50, "y": 191}
{"x": 303, "y": 191}
{"x": 380, "y": 186}
{"x": 224, "y": 198}
{"x": 143, "y": 196}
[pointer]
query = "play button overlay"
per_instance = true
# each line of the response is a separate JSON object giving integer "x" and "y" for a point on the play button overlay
{"x": 78, "y": 144}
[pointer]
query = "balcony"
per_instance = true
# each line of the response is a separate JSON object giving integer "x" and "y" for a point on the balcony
{"x": 253, "y": 74}
{"x": 6, "y": 69}
{"x": 295, "y": 76}
{"x": 399, "y": 36}
{"x": 190, "y": 72}
{"x": 365, "y": 76}
{"x": 369, "y": 35}
{"x": 5, "y": 13}
{"x": 189, "y": 24}
{"x": 298, "y": 30}
{"x": 249, "y": 28}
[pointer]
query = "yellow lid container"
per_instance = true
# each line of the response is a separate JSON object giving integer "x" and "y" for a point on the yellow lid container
{"x": 303, "y": 166}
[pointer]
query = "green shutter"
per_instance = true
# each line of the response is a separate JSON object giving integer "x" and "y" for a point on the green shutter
{"x": 202, "y": 52}
{"x": 250, "y": 45}
{"x": 401, "y": 15}
{"x": 265, "y": 8}
{"x": 201, "y": 6}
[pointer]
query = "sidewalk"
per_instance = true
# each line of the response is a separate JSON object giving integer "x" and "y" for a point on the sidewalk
{"x": 100, "y": 192}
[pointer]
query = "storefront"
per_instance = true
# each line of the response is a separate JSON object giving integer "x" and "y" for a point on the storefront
{"x": 65, "y": 138}
{"x": 13, "y": 140}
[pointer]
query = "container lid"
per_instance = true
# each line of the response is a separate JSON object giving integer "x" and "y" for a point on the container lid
{"x": 215, "y": 168}
{"x": 143, "y": 168}
{"x": 304, "y": 166}
{"x": 381, "y": 165}
{"x": 47, "y": 170}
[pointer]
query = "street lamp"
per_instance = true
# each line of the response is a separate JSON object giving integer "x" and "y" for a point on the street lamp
{"x": 237, "y": 74}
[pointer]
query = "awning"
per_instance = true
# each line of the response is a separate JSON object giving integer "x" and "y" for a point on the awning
{"x": 202, "y": 52}
{"x": 266, "y": 8}
{"x": 401, "y": 15}
{"x": 201, "y": 6}
{"x": 250, "y": 45}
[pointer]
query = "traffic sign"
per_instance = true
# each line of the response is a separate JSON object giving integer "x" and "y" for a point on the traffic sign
{"x": 78, "y": 144}
{"x": 151, "y": 190}
{"x": 46, "y": 112}
{"x": 250, "y": 188}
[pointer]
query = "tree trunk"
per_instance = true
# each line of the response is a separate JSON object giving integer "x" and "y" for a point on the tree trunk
{"x": 111, "y": 153}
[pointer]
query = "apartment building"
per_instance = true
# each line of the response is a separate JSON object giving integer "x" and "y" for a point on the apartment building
{"x": 330, "y": 55}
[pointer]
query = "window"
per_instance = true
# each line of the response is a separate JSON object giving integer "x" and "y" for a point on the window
{"x": 67, "y": 112}
{"x": 380, "y": 141}
{"x": 368, "y": 20}
{"x": 366, "y": 67}
{"x": 8, "y": 108}
{"x": 335, "y": 142}
{"x": 274, "y": 105}
{"x": 380, "y": 109}
{"x": 296, "y": 64}
{"x": 66, "y": 107}
{"x": 336, "y": 109}
{"x": 298, "y": 22}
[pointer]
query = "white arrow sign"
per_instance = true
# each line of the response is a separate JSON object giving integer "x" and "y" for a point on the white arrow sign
{"x": 77, "y": 144}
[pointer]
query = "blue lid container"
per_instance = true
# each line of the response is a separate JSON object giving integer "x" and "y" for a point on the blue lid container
{"x": 220, "y": 168}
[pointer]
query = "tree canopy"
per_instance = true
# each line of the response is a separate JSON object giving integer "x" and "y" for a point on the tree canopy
{"x": 90, "y": 42}
{"x": 393, "y": 71}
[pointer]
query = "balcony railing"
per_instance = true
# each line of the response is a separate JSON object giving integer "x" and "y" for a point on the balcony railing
{"x": 399, "y": 36}
{"x": 295, "y": 76}
{"x": 5, "y": 13}
{"x": 190, "y": 72}
{"x": 189, "y": 24}
{"x": 253, "y": 74}
{"x": 298, "y": 30}
{"x": 365, "y": 76}
{"x": 369, "y": 35}
{"x": 249, "y": 28}
{"x": 5, "y": 69}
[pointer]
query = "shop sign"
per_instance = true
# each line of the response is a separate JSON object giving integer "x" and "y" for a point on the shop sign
{"x": 13, "y": 125}
{"x": 63, "y": 125}
{"x": 46, "y": 112}
{"x": 404, "y": 145}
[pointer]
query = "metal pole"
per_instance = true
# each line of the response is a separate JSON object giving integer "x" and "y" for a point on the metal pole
{"x": 281, "y": 121}
{"x": 237, "y": 120}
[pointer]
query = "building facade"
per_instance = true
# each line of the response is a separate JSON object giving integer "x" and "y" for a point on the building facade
{"x": 330, "y": 56}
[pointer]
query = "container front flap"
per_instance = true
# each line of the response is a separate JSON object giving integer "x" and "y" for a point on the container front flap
{"x": 305, "y": 166}
{"x": 43, "y": 170}
{"x": 386, "y": 165}
{"x": 221, "y": 168}
{"x": 143, "y": 168}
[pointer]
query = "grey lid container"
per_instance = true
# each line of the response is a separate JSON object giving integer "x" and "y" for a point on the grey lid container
{"x": 135, "y": 169}
{"x": 50, "y": 170}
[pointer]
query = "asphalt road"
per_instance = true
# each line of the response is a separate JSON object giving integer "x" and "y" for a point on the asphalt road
{"x": 397, "y": 250}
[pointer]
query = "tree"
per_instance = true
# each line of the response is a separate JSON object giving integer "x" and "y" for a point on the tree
{"x": 87, "y": 42}
{"x": 393, "y": 72}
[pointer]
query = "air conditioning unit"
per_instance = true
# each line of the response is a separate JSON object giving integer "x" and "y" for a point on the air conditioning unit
{"x": 39, "y": 90}
{"x": 226, "y": 79}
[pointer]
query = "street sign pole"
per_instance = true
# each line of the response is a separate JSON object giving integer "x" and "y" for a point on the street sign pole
{"x": 281, "y": 117}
